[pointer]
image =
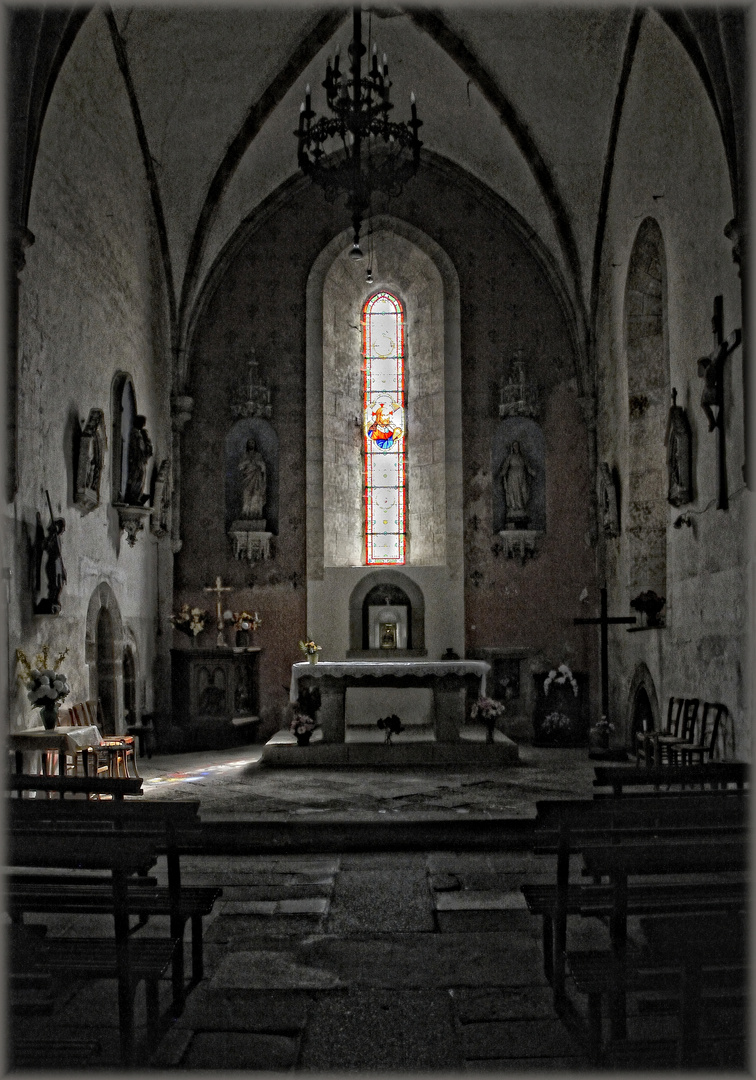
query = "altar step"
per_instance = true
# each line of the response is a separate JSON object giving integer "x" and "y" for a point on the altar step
{"x": 367, "y": 747}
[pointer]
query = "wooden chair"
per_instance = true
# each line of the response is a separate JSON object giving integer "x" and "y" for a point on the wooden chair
{"x": 681, "y": 719}
{"x": 695, "y": 749}
{"x": 119, "y": 748}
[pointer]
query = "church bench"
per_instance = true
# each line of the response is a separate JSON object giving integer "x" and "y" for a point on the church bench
{"x": 115, "y": 788}
{"x": 169, "y": 825}
{"x": 690, "y": 859}
{"x": 593, "y": 973}
{"x": 715, "y": 773}
{"x": 565, "y": 827}
{"x": 128, "y": 961}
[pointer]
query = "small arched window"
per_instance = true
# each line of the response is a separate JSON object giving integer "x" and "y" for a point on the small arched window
{"x": 384, "y": 417}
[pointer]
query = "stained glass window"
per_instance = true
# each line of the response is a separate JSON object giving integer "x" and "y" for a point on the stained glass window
{"x": 385, "y": 430}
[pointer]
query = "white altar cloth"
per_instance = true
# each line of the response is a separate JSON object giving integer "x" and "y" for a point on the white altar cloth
{"x": 357, "y": 669}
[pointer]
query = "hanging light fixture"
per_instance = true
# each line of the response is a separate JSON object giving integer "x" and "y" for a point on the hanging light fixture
{"x": 357, "y": 149}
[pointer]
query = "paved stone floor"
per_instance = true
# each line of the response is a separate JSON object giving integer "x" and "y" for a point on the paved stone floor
{"x": 379, "y": 962}
{"x": 232, "y": 782}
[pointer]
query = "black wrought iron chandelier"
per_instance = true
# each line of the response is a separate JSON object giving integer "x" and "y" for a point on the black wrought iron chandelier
{"x": 357, "y": 149}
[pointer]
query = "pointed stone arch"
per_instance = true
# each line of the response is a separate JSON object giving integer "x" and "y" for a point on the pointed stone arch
{"x": 642, "y": 695}
{"x": 645, "y": 318}
{"x": 103, "y": 652}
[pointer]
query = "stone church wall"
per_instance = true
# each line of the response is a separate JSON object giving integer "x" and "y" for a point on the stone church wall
{"x": 507, "y": 304}
{"x": 90, "y": 306}
{"x": 670, "y": 168}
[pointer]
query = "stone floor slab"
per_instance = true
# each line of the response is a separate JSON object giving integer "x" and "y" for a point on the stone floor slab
{"x": 382, "y": 1031}
{"x": 504, "y": 1003}
{"x": 518, "y": 1039}
{"x": 534, "y": 1065}
{"x": 425, "y": 961}
{"x": 380, "y": 900}
{"x": 474, "y": 900}
{"x": 271, "y": 970}
{"x": 239, "y": 929}
{"x": 239, "y": 1050}
{"x": 503, "y": 921}
{"x": 266, "y": 1011}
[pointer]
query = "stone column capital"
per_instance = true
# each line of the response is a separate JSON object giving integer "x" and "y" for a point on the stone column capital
{"x": 19, "y": 239}
{"x": 181, "y": 411}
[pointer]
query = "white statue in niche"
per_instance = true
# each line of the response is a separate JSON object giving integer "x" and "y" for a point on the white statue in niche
{"x": 515, "y": 475}
{"x": 253, "y": 478}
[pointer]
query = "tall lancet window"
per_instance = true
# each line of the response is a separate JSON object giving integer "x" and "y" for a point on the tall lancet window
{"x": 385, "y": 430}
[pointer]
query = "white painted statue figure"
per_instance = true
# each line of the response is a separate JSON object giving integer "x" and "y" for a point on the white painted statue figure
{"x": 253, "y": 477}
{"x": 515, "y": 478}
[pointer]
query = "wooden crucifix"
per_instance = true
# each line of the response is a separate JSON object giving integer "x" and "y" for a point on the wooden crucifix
{"x": 711, "y": 370}
{"x": 219, "y": 588}
{"x": 604, "y": 621}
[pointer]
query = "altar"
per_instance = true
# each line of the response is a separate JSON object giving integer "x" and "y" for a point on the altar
{"x": 449, "y": 681}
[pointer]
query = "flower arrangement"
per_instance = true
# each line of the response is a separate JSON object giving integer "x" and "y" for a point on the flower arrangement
{"x": 303, "y": 720}
{"x": 189, "y": 621}
{"x": 488, "y": 710}
{"x": 242, "y": 620}
{"x": 560, "y": 676}
{"x": 556, "y": 723}
{"x": 392, "y": 725}
{"x": 302, "y": 724}
{"x": 599, "y": 733}
{"x": 46, "y": 686}
{"x": 309, "y": 648}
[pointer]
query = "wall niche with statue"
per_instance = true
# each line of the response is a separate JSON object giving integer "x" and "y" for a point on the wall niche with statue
{"x": 251, "y": 482}
{"x": 518, "y": 473}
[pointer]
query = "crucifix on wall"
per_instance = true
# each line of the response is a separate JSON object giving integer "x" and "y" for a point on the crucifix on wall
{"x": 219, "y": 588}
{"x": 711, "y": 370}
{"x": 604, "y": 622}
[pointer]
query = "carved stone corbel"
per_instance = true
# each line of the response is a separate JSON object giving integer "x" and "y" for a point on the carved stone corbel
{"x": 132, "y": 519}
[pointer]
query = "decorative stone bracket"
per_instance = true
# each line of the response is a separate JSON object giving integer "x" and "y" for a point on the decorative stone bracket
{"x": 520, "y": 543}
{"x": 132, "y": 519}
{"x": 249, "y": 543}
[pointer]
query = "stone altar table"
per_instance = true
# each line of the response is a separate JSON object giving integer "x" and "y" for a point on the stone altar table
{"x": 448, "y": 680}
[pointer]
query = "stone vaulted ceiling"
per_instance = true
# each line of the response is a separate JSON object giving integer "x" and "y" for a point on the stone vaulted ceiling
{"x": 526, "y": 99}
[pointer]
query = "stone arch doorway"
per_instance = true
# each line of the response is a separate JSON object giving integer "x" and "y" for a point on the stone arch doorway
{"x": 103, "y": 652}
{"x": 106, "y": 691}
{"x": 643, "y": 712}
{"x": 129, "y": 687}
{"x": 648, "y": 405}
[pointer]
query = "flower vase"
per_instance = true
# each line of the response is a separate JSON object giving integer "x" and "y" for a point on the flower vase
{"x": 490, "y": 733}
{"x": 312, "y": 658}
{"x": 49, "y": 714}
{"x": 304, "y": 738}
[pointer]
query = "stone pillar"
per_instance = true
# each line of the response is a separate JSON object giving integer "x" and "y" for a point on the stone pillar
{"x": 449, "y": 708}
{"x": 181, "y": 414}
{"x": 19, "y": 239}
{"x": 331, "y": 711}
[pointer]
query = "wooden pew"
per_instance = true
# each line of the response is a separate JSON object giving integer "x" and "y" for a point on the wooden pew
{"x": 567, "y": 826}
{"x": 169, "y": 825}
{"x": 127, "y": 960}
{"x": 116, "y": 788}
{"x": 691, "y": 960}
{"x": 716, "y": 774}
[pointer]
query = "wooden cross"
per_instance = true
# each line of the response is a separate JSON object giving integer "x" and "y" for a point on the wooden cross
{"x": 603, "y": 621}
{"x": 711, "y": 369}
{"x": 218, "y": 589}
